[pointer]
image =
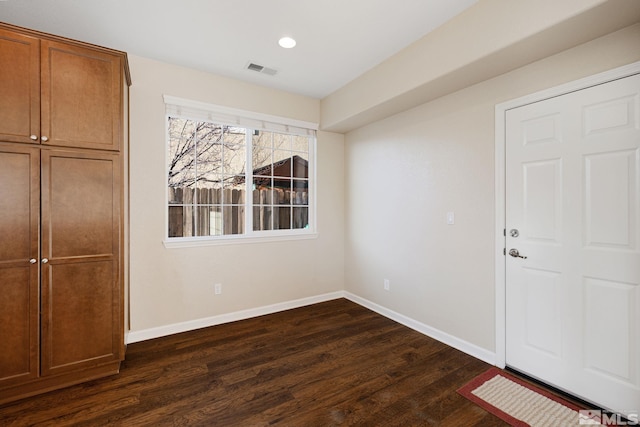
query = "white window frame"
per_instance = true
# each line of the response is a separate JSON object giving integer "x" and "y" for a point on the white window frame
{"x": 196, "y": 110}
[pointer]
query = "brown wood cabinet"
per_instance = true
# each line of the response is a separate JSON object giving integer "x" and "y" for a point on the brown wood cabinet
{"x": 62, "y": 231}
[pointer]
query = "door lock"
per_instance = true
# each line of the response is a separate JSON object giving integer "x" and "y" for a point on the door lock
{"x": 514, "y": 232}
{"x": 514, "y": 253}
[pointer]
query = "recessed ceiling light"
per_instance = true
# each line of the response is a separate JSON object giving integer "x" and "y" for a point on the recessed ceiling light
{"x": 287, "y": 42}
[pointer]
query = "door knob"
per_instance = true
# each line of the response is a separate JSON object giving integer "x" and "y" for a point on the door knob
{"x": 44, "y": 139}
{"x": 514, "y": 253}
{"x": 33, "y": 261}
{"x": 46, "y": 260}
{"x": 34, "y": 137}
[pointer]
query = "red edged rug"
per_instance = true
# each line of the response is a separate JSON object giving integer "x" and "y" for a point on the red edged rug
{"x": 522, "y": 404}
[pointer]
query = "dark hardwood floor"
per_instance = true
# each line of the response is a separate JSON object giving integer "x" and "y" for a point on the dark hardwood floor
{"x": 329, "y": 364}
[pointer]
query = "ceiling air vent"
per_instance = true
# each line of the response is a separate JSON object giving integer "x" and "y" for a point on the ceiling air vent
{"x": 261, "y": 69}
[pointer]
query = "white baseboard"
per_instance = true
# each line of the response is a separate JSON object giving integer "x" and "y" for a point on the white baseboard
{"x": 175, "y": 328}
{"x": 464, "y": 346}
{"x": 450, "y": 340}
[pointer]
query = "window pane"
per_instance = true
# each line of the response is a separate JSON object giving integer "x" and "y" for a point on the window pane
{"x": 180, "y": 221}
{"x": 282, "y": 183}
{"x": 172, "y": 197}
{"x": 233, "y": 220}
{"x": 262, "y": 218}
{"x": 282, "y": 218}
{"x": 282, "y": 196}
{"x": 263, "y": 194}
{"x": 300, "y": 217}
{"x": 209, "y": 145}
{"x": 281, "y": 142}
{"x": 301, "y": 165}
{"x": 300, "y": 185}
{"x": 209, "y": 180}
{"x": 262, "y": 163}
{"x": 210, "y": 196}
{"x": 181, "y": 195}
{"x": 300, "y": 196}
{"x": 300, "y": 143}
{"x": 182, "y": 153}
{"x": 234, "y": 156}
{"x": 282, "y": 163}
{"x": 261, "y": 138}
{"x": 209, "y": 220}
{"x": 234, "y": 136}
{"x": 233, "y": 190}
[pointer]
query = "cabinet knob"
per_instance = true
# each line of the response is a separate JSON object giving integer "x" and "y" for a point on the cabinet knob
{"x": 33, "y": 261}
{"x": 34, "y": 137}
{"x": 45, "y": 260}
{"x": 44, "y": 139}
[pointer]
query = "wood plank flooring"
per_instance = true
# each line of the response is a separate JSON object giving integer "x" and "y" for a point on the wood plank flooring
{"x": 329, "y": 364}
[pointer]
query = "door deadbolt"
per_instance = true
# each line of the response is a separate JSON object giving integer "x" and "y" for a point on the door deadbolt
{"x": 514, "y": 232}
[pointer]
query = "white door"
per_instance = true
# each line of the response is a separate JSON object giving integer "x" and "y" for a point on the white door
{"x": 573, "y": 195}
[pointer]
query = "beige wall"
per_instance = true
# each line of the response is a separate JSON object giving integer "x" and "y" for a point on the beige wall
{"x": 383, "y": 193}
{"x": 404, "y": 173}
{"x": 170, "y": 286}
{"x": 490, "y": 38}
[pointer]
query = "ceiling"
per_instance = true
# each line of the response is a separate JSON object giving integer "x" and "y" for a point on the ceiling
{"x": 337, "y": 40}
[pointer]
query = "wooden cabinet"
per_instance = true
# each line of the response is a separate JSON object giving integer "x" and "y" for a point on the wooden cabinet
{"x": 56, "y": 93}
{"x": 62, "y": 155}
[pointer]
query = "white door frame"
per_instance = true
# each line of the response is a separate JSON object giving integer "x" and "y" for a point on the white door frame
{"x": 500, "y": 133}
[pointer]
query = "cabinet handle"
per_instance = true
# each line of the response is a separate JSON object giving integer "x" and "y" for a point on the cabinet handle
{"x": 44, "y": 139}
{"x": 33, "y": 261}
{"x": 34, "y": 137}
{"x": 45, "y": 260}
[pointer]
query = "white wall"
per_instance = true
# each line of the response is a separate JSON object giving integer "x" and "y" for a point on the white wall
{"x": 404, "y": 173}
{"x": 170, "y": 286}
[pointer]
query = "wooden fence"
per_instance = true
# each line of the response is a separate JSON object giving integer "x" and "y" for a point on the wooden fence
{"x": 222, "y": 211}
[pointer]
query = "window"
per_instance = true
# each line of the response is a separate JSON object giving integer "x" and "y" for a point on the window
{"x": 232, "y": 177}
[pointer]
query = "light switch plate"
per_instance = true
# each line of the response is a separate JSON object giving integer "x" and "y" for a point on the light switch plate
{"x": 451, "y": 219}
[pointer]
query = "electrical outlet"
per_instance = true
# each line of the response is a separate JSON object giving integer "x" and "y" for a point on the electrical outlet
{"x": 217, "y": 288}
{"x": 386, "y": 284}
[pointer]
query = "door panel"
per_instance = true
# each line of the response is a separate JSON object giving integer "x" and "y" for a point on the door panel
{"x": 617, "y": 329}
{"x": 19, "y": 219}
{"x": 542, "y": 200}
{"x": 609, "y": 185}
{"x": 19, "y": 87}
{"x": 81, "y": 301}
{"x": 81, "y": 104}
{"x": 542, "y": 312}
{"x": 573, "y": 191}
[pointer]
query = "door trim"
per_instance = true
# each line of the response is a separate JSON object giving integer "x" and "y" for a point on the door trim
{"x": 500, "y": 165}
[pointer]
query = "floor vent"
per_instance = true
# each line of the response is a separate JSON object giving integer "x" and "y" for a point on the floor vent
{"x": 261, "y": 69}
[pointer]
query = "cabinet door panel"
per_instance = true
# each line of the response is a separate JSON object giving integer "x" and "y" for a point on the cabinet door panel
{"x": 19, "y": 217}
{"x": 80, "y": 302}
{"x": 81, "y": 299}
{"x": 81, "y": 101}
{"x": 81, "y": 199}
{"x": 19, "y": 87}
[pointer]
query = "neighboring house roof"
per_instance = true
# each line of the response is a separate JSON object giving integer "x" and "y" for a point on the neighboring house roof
{"x": 282, "y": 172}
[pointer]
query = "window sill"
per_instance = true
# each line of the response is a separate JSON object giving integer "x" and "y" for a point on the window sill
{"x": 192, "y": 242}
